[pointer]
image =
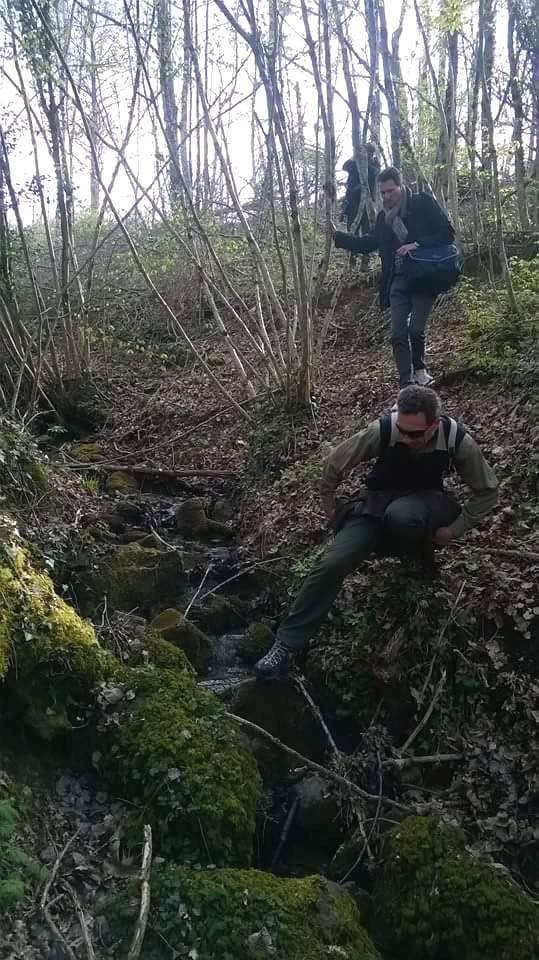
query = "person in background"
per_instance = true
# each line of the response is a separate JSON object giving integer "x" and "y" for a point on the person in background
{"x": 404, "y": 509}
{"x": 407, "y": 221}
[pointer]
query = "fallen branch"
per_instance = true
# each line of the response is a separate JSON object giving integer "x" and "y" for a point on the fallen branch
{"x": 45, "y": 896}
{"x": 253, "y": 566}
{"x": 82, "y": 921}
{"x": 400, "y": 762}
{"x": 311, "y": 764}
{"x": 141, "y": 470}
{"x": 145, "y": 897}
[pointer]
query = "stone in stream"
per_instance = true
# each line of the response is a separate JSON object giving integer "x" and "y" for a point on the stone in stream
{"x": 132, "y": 577}
{"x": 173, "y": 627}
{"x": 192, "y": 521}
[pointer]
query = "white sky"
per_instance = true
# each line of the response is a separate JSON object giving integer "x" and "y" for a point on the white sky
{"x": 115, "y": 89}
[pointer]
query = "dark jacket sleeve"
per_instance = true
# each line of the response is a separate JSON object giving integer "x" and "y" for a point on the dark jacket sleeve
{"x": 438, "y": 227}
{"x": 367, "y": 244}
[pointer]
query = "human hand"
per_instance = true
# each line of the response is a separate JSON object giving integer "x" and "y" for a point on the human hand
{"x": 443, "y": 536}
{"x": 406, "y": 248}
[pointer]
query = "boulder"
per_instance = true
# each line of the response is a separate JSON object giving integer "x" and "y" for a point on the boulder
{"x": 435, "y": 901}
{"x": 139, "y": 577}
{"x": 257, "y": 640}
{"x": 281, "y": 710}
{"x": 192, "y": 521}
{"x": 173, "y": 627}
{"x": 318, "y": 811}
{"x": 218, "y": 613}
{"x": 171, "y": 749}
{"x": 47, "y": 653}
{"x": 88, "y": 452}
{"x": 121, "y": 482}
{"x": 244, "y": 914}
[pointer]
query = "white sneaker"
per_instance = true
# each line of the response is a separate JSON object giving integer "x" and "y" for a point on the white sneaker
{"x": 423, "y": 378}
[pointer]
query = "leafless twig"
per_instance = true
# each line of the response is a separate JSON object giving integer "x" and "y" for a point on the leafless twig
{"x": 45, "y": 896}
{"x": 82, "y": 921}
{"x": 209, "y": 568}
{"x": 318, "y": 714}
{"x": 145, "y": 897}
{"x": 427, "y": 715}
{"x": 285, "y": 831}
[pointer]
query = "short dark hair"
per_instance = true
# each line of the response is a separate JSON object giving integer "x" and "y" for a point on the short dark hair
{"x": 416, "y": 399}
{"x": 391, "y": 173}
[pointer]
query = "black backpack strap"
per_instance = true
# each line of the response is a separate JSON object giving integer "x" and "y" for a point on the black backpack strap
{"x": 385, "y": 432}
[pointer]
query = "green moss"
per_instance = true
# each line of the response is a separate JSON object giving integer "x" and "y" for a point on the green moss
{"x": 256, "y": 641}
{"x": 165, "y": 655}
{"x": 436, "y": 902}
{"x": 136, "y": 576}
{"x": 172, "y": 626}
{"x": 245, "y": 915}
{"x": 88, "y": 452}
{"x": 47, "y": 652}
{"x": 38, "y": 474}
{"x": 177, "y": 754}
{"x": 121, "y": 482}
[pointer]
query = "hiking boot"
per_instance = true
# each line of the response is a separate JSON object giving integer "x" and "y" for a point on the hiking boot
{"x": 423, "y": 378}
{"x": 276, "y": 662}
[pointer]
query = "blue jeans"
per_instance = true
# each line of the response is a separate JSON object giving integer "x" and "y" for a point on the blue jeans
{"x": 409, "y": 315}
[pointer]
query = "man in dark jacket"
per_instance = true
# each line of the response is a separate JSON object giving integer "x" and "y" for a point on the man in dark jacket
{"x": 404, "y": 508}
{"x": 407, "y": 221}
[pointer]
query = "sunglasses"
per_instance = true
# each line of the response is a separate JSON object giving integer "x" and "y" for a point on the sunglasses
{"x": 413, "y": 434}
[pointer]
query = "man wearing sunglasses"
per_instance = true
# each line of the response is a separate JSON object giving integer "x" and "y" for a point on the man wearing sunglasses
{"x": 404, "y": 509}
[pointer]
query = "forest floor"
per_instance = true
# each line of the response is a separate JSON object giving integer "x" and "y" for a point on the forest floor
{"x": 174, "y": 419}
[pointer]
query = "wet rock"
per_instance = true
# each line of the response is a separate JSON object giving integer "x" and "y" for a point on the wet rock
{"x": 192, "y": 521}
{"x": 135, "y": 577}
{"x": 121, "y": 482}
{"x": 222, "y": 511}
{"x": 175, "y": 629}
{"x": 279, "y": 708}
{"x": 256, "y": 641}
{"x": 219, "y": 613}
{"x": 318, "y": 809}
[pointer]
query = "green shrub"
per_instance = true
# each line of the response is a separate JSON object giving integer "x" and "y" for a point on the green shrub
{"x": 17, "y": 869}
{"x": 496, "y": 339}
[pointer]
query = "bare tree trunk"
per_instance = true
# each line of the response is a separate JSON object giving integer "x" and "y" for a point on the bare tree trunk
{"x": 518, "y": 111}
{"x": 488, "y": 26}
{"x": 168, "y": 95}
{"x": 373, "y": 112}
{"x": 393, "y": 110}
{"x": 493, "y": 166}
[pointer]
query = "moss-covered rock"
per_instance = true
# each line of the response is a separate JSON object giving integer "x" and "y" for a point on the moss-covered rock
{"x": 219, "y": 613}
{"x": 192, "y": 521}
{"x": 88, "y": 452}
{"x": 165, "y": 655}
{"x": 47, "y": 653}
{"x": 175, "y": 752}
{"x": 121, "y": 482}
{"x": 37, "y": 472}
{"x": 256, "y": 641}
{"x": 142, "y": 577}
{"x": 437, "y": 903}
{"x": 245, "y": 915}
{"x": 172, "y": 626}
